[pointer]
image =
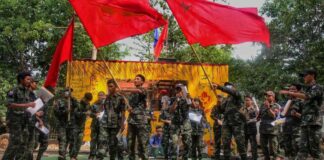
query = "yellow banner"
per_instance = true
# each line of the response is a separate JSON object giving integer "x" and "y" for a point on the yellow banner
{"x": 91, "y": 76}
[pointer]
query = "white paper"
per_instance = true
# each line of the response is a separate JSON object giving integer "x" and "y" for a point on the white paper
{"x": 42, "y": 129}
{"x": 195, "y": 117}
{"x": 278, "y": 121}
{"x": 286, "y": 108}
{"x": 100, "y": 115}
{"x": 256, "y": 105}
{"x": 38, "y": 105}
{"x": 185, "y": 93}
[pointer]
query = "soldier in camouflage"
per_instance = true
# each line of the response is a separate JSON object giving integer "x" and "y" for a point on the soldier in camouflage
{"x": 180, "y": 124}
{"x": 18, "y": 99}
{"x": 311, "y": 121}
{"x": 95, "y": 110}
{"x": 234, "y": 120}
{"x": 78, "y": 118}
{"x": 250, "y": 126}
{"x": 165, "y": 118}
{"x": 64, "y": 128}
{"x": 137, "y": 122}
{"x": 217, "y": 116}
{"x": 42, "y": 119}
{"x": 291, "y": 127}
{"x": 115, "y": 109}
{"x": 31, "y": 131}
{"x": 197, "y": 129}
{"x": 268, "y": 133}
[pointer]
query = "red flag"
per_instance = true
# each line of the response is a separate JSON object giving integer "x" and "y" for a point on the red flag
{"x": 159, "y": 44}
{"x": 63, "y": 52}
{"x": 107, "y": 21}
{"x": 210, "y": 23}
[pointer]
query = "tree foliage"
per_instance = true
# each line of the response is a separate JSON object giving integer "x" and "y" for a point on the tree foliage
{"x": 297, "y": 43}
{"x": 29, "y": 33}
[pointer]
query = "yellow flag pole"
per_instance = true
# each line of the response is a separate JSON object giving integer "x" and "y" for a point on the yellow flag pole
{"x": 202, "y": 67}
{"x": 69, "y": 86}
{"x": 125, "y": 99}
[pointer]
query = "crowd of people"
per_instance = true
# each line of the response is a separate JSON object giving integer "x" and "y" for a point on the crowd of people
{"x": 291, "y": 131}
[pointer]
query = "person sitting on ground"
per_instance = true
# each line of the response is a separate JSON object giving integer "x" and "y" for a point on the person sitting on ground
{"x": 155, "y": 145}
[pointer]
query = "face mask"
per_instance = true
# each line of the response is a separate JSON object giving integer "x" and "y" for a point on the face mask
{"x": 66, "y": 93}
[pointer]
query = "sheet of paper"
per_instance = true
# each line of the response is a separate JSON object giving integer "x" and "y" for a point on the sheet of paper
{"x": 119, "y": 135}
{"x": 278, "y": 121}
{"x": 185, "y": 93}
{"x": 195, "y": 117}
{"x": 42, "y": 129}
{"x": 100, "y": 115}
{"x": 38, "y": 105}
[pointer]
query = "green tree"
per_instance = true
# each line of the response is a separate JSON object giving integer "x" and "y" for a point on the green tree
{"x": 297, "y": 43}
{"x": 297, "y": 30}
{"x": 29, "y": 33}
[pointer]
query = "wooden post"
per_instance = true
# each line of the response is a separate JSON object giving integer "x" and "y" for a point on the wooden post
{"x": 94, "y": 53}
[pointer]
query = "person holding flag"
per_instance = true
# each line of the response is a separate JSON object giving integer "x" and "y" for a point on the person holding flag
{"x": 234, "y": 120}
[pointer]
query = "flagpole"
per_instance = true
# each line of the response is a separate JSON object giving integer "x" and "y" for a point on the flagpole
{"x": 94, "y": 53}
{"x": 69, "y": 85}
{"x": 114, "y": 79}
{"x": 202, "y": 67}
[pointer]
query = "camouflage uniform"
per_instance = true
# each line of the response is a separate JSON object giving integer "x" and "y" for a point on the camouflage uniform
{"x": 64, "y": 128}
{"x": 40, "y": 137}
{"x": 217, "y": 129}
{"x": 17, "y": 123}
{"x": 111, "y": 123}
{"x": 291, "y": 130}
{"x": 137, "y": 125}
{"x": 311, "y": 123}
{"x": 181, "y": 127}
{"x": 233, "y": 124}
{"x": 96, "y": 108}
{"x": 35, "y": 135}
{"x": 29, "y": 137}
{"x": 197, "y": 133}
{"x": 269, "y": 133}
{"x": 78, "y": 118}
{"x": 251, "y": 131}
